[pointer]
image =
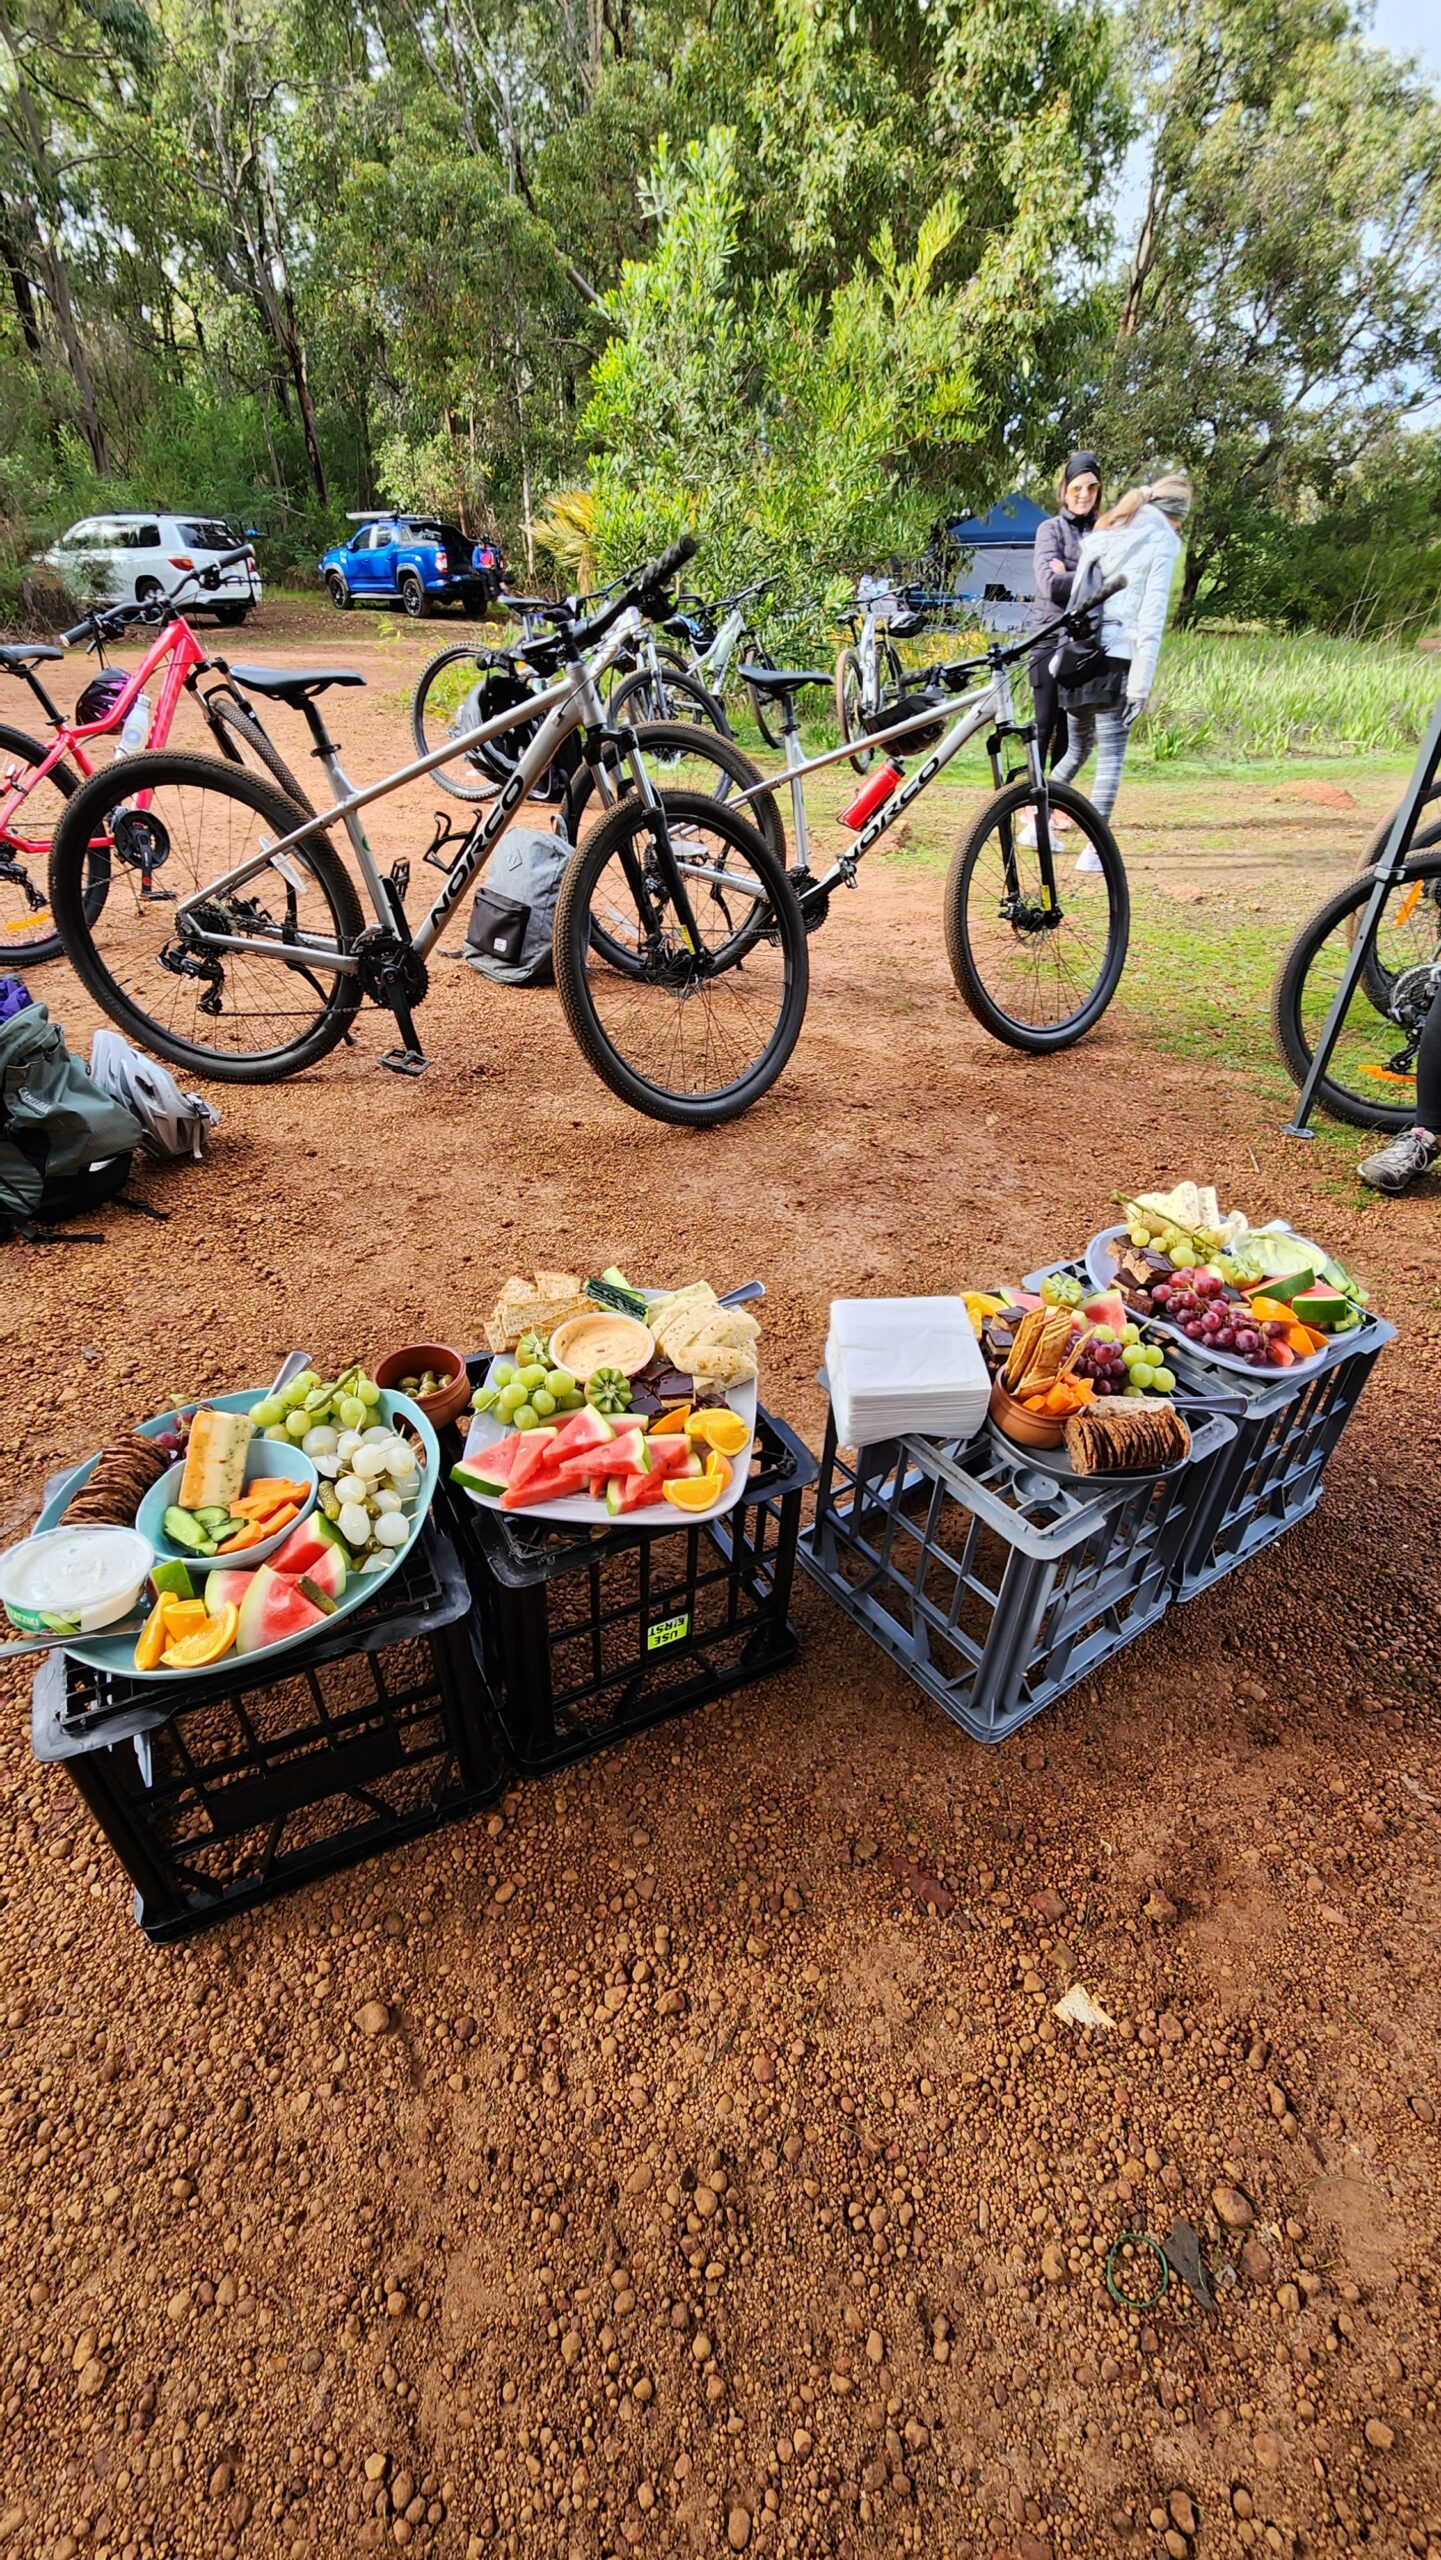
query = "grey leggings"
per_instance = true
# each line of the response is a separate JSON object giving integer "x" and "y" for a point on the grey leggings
{"x": 1107, "y": 732}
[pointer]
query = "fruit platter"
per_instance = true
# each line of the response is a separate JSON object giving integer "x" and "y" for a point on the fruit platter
{"x": 1249, "y": 1298}
{"x": 1078, "y": 1381}
{"x": 605, "y": 1402}
{"x": 252, "y": 1520}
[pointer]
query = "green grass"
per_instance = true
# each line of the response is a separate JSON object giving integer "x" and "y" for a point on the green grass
{"x": 1274, "y": 694}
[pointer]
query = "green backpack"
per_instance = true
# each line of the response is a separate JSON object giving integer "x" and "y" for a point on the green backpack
{"x": 64, "y": 1144}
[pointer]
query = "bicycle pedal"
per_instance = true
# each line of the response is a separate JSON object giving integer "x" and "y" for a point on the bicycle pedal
{"x": 405, "y": 1062}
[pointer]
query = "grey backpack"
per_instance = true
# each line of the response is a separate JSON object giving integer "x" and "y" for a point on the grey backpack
{"x": 64, "y": 1144}
{"x": 508, "y": 937}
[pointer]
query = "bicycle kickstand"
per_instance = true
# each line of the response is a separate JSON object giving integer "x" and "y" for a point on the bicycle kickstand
{"x": 410, "y": 1059}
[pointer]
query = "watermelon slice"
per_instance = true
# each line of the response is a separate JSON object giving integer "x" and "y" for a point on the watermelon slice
{"x": 585, "y": 1430}
{"x": 327, "y": 1575}
{"x": 306, "y": 1550}
{"x": 1019, "y": 1298}
{"x": 1109, "y": 1308}
{"x": 636, "y": 1493}
{"x": 225, "y": 1587}
{"x": 488, "y": 1470}
{"x": 531, "y": 1458}
{"x": 273, "y": 1608}
{"x": 629, "y": 1454}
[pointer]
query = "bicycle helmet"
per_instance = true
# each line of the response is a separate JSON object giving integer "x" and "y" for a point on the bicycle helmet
{"x": 175, "y": 1123}
{"x": 100, "y": 696}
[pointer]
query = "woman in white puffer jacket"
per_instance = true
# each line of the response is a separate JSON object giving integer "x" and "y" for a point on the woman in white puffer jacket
{"x": 1138, "y": 539}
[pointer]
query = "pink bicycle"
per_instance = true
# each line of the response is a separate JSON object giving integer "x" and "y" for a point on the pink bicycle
{"x": 37, "y": 780}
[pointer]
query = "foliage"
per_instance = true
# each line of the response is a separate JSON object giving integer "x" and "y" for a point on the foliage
{"x": 1280, "y": 314}
{"x": 1266, "y": 694}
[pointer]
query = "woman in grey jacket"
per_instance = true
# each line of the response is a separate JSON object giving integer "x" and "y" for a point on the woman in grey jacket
{"x": 1138, "y": 539}
{"x": 1058, "y": 548}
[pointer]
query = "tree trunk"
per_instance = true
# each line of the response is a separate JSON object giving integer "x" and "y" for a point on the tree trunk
{"x": 24, "y": 298}
{"x": 51, "y": 270}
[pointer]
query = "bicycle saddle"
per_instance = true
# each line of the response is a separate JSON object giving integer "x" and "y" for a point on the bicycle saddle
{"x": 26, "y": 653}
{"x": 783, "y": 679}
{"x": 293, "y": 684}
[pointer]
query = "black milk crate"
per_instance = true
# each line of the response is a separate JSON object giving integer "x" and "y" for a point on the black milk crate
{"x": 1272, "y": 1473}
{"x": 256, "y": 1780}
{"x": 996, "y": 1584}
{"x": 584, "y": 1636}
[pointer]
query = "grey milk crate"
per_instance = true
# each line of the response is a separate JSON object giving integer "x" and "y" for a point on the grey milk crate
{"x": 994, "y": 1583}
{"x": 1271, "y": 1475}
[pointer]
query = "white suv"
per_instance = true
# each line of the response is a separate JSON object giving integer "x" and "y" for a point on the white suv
{"x": 125, "y": 557}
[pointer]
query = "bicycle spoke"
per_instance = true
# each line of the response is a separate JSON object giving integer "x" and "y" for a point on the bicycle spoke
{"x": 1373, "y": 1064}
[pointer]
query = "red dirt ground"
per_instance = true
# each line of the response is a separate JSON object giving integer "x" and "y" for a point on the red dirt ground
{"x": 721, "y": 2178}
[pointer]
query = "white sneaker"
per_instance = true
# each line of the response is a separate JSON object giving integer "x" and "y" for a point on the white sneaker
{"x": 1090, "y": 860}
{"x": 1026, "y": 829}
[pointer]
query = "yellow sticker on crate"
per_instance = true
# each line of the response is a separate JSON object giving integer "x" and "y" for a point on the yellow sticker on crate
{"x": 667, "y": 1631}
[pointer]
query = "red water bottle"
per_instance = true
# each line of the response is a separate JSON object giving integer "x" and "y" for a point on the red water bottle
{"x": 870, "y": 795}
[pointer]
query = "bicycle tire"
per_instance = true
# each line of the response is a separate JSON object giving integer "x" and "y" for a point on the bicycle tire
{"x": 848, "y": 672}
{"x": 704, "y": 710}
{"x": 1287, "y": 1015}
{"x": 87, "y": 814}
{"x": 48, "y": 946}
{"x": 655, "y": 738}
{"x": 753, "y": 652}
{"x": 1376, "y": 978}
{"x": 247, "y": 727}
{"x": 1035, "y": 1039}
{"x": 474, "y": 786}
{"x": 572, "y": 944}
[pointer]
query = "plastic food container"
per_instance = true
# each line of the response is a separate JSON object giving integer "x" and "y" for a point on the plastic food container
{"x": 72, "y": 1581}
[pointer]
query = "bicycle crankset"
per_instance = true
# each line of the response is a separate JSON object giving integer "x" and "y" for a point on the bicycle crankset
{"x": 140, "y": 841}
{"x": 391, "y": 972}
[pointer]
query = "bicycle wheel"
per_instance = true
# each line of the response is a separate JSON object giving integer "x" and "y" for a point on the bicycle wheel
{"x": 234, "y": 718}
{"x": 1371, "y": 1078}
{"x": 1038, "y": 975}
{"x": 27, "y": 923}
{"x": 751, "y": 652}
{"x": 242, "y": 1018}
{"x": 667, "y": 695}
{"x": 679, "y": 757}
{"x": 460, "y": 689}
{"x": 1376, "y": 980}
{"x": 850, "y": 693}
{"x": 692, "y": 1037}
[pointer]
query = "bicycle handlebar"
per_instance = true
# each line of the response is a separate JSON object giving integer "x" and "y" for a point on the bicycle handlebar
{"x": 108, "y": 621}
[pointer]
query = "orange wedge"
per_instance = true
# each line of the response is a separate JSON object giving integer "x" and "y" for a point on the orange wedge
{"x": 677, "y": 1421}
{"x": 152, "y": 1640}
{"x": 208, "y": 1645}
{"x": 694, "y": 1493}
{"x": 720, "y": 1429}
{"x": 182, "y": 1617}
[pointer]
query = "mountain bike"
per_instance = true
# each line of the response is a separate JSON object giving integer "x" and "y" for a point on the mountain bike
{"x": 871, "y": 664}
{"x": 266, "y": 956}
{"x": 692, "y": 681}
{"x": 1354, "y": 989}
{"x": 1037, "y": 950}
{"x": 37, "y": 781}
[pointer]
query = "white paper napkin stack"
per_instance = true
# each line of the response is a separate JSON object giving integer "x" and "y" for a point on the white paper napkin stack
{"x": 904, "y": 1364}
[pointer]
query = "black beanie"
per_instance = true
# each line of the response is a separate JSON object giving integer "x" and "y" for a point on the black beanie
{"x": 1076, "y": 463}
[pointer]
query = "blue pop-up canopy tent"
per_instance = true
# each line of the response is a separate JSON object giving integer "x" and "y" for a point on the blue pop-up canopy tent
{"x": 1001, "y": 574}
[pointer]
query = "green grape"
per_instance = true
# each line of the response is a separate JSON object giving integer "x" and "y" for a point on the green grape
{"x": 560, "y": 1382}
{"x": 1139, "y": 1235}
{"x": 483, "y": 1400}
{"x": 571, "y": 1403}
{"x": 1143, "y": 1377}
{"x": 1164, "y": 1381}
{"x": 275, "y": 1431}
{"x": 532, "y": 1375}
{"x": 525, "y": 1417}
{"x": 542, "y": 1402}
{"x": 270, "y": 1409}
{"x": 352, "y": 1413}
{"x": 297, "y": 1424}
{"x": 367, "y": 1391}
{"x": 511, "y": 1398}
{"x": 293, "y": 1395}
{"x": 307, "y": 1379}
{"x": 1133, "y": 1356}
{"x": 500, "y": 1373}
{"x": 1130, "y": 1333}
{"x": 1104, "y": 1333}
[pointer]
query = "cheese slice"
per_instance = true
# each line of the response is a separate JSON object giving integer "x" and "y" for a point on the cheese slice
{"x": 215, "y": 1459}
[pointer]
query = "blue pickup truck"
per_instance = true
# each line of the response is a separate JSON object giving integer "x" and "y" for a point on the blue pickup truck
{"x": 415, "y": 562}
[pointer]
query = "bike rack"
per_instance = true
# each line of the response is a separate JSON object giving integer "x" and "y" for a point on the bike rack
{"x": 1418, "y": 792}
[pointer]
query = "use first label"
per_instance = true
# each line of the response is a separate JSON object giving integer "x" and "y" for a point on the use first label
{"x": 667, "y": 1631}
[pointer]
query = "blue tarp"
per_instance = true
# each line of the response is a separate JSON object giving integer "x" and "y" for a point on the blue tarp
{"x": 1010, "y": 520}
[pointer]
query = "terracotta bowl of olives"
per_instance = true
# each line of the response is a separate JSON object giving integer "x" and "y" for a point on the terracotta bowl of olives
{"x": 431, "y": 1374}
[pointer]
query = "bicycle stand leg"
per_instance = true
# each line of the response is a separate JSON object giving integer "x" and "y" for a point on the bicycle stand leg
{"x": 410, "y": 1059}
{"x": 1423, "y": 773}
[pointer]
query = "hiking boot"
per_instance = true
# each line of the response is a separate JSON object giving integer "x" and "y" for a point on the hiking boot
{"x": 1396, "y": 1167}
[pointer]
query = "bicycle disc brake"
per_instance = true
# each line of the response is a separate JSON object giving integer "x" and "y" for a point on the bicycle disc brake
{"x": 1028, "y": 915}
